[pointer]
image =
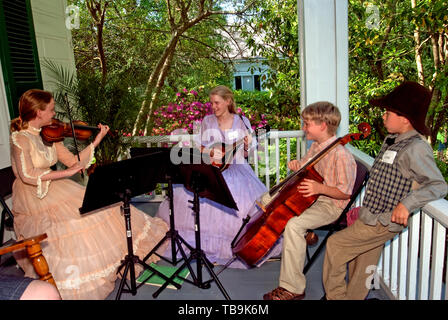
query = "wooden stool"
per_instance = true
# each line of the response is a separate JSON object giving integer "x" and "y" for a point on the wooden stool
{"x": 34, "y": 252}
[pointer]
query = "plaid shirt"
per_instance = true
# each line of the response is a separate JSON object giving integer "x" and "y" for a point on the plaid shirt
{"x": 387, "y": 186}
{"x": 415, "y": 162}
{"x": 337, "y": 168}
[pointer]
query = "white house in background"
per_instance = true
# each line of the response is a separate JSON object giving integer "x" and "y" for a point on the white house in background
{"x": 249, "y": 72}
{"x": 323, "y": 53}
{"x": 30, "y": 31}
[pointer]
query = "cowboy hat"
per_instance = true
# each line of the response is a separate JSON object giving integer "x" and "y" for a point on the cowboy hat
{"x": 410, "y": 100}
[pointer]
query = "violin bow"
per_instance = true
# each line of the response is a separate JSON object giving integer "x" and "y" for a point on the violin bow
{"x": 73, "y": 130}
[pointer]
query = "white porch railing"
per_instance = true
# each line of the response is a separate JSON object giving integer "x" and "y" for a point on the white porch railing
{"x": 268, "y": 154}
{"x": 411, "y": 266}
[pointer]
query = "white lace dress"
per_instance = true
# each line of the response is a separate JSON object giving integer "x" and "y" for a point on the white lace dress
{"x": 83, "y": 252}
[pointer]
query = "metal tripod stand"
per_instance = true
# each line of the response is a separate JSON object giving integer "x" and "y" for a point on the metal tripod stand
{"x": 130, "y": 259}
{"x": 196, "y": 253}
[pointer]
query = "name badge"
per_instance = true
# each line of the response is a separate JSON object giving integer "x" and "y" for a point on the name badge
{"x": 389, "y": 156}
{"x": 233, "y": 134}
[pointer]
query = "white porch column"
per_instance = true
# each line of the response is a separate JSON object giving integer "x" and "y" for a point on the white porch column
{"x": 323, "y": 45}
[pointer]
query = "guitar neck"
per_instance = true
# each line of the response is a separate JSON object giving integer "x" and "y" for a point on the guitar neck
{"x": 237, "y": 143}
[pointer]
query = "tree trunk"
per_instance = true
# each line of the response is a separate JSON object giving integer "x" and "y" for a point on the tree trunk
{"x": 98, "y": 15}
{"x": 99, "y": 40}
{"x": 164, "y": 62}
{"x": 180, "y": 9}
{"x": 438, "y": 111}
{"x": 160, "y": 72}
{"x": 436, "y": 94}
{"x": 418, "y": 51}
{"x": 377, "y": 63}
{"x": 378, "y": 66}
{"x": 156, "y": 93}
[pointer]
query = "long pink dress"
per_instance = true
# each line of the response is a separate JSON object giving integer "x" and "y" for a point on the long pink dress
{"x": 83, "y": 252}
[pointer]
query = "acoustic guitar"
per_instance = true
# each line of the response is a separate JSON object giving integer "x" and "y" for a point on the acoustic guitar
{"x": 229, "y": 150}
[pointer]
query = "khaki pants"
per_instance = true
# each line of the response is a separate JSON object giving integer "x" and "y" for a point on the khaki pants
{"x": 321, "y": 213}
{"x": 360, "y": 246}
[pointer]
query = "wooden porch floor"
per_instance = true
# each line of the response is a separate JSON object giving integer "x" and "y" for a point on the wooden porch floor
{"x": 239, "y": 284}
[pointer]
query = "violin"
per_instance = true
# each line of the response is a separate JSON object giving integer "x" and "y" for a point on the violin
{"x": 58, "y": 130}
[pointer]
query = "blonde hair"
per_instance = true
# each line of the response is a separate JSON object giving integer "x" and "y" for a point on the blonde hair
{"x": 225, "y": 93}
{"x": 31, "y": 101}
{"x": 323, "y": 111}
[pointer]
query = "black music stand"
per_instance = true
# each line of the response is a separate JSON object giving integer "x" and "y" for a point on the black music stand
{"x": 119, "y": 182}
{"x": 204, "y": 181}
{"x": 171, "y": 177}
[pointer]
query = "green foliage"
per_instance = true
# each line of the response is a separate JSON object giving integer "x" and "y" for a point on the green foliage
{"x": 112, "y": 103}
{"x": 127, "y": 44}
{"x": 443, "y": 167}
{"x": 376, "y": 65}
{"x": 383, "y": 54}
{"x": 135, "y": 36}
{"x": 277, "y": 111}
{"x": 362, "y": 89}
{"x": 272, "y": 34}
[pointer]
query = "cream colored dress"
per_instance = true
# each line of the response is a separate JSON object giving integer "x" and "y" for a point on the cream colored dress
{"x": 83, "y": 252}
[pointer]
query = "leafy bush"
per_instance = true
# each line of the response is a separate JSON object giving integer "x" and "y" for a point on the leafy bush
{"x": 443, "y": 167}
{"x": 191, "y": 106}
{"x": 280, "y": 113}
{"x": 114, "y": 103}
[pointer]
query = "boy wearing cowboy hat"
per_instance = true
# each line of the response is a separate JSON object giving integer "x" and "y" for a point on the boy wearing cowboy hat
{"x": 404, "y": 177}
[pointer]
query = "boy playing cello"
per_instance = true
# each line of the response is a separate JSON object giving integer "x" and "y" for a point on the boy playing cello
{"x": 338, "y": 169}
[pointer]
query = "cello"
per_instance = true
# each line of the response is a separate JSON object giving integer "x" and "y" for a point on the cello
{"x": 281, "y": 203}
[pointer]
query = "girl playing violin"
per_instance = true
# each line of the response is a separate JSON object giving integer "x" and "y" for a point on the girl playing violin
{"x": 83, "y": 253}
{"x": 43, "y": 116}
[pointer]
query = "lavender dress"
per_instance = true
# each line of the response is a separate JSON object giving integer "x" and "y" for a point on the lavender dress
{"x": 219, "y": 224}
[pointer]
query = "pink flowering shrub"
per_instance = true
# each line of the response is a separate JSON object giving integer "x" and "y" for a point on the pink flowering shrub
{"x": 188, "y": 110}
